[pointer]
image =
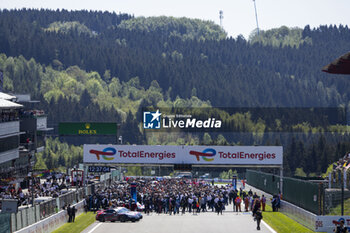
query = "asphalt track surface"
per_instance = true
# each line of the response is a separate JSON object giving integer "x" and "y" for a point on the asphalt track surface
{"x": 208, "y": 222}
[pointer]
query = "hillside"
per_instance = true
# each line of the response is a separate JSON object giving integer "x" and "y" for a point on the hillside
{"x": 280, "y": 37}
{"x": 238, "y": 73}
{"x": 76, "y": 95}
{"x": 183, "y": 28}
{"x": 101, "y": 66}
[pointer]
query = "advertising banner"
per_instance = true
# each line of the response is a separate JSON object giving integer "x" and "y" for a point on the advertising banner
{"x": 87, "y": 129}
{"x": 329, "y": 223}
{"x": 204, "y": 155}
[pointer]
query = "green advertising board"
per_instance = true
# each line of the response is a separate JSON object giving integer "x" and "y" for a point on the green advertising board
{"x": 87, "y": 128}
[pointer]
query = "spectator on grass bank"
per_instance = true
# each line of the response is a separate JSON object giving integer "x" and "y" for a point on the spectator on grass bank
{"x": 73, "y": 211}
{"x": 69, "y": 212}
{"x": 275, "y": 202}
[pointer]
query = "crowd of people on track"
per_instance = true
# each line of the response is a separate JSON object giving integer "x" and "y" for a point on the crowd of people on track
{"x": 178, "y": 196}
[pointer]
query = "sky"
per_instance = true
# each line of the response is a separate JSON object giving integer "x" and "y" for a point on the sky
{"x": 239, "y": 15}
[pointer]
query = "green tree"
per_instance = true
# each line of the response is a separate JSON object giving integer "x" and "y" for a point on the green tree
{"x": 300, "y": 172}
{"x": 207, "y": 139}
{"x": 39, "y": 163}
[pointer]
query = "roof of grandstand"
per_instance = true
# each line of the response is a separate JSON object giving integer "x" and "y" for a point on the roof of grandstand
{"x": 9, "y": 104}
{"x": 6, "y": 96}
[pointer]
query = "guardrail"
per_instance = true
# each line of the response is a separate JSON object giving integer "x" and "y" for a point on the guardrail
{"x": 310, "y": 220}
{"x": 51, "y": 223}
{"x": 30, "y": 215}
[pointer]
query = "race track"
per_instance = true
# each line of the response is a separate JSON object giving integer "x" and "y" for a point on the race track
{"x": 207, "y": 222}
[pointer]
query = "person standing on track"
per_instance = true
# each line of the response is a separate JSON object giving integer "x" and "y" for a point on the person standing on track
{"x": 220, "y": 205}
{"x": 246, "y": 203}
{"x": 238, "y": 201}
{"x": 216, "y": 204}
{"x": 258, "y": 216}
{"x": 234, "y": 196}
{"x": 203, "y": 203}
{"x": 194, "y": 204}
{"x": 183, "y": 204}
{"x": 190, "y": 202}
{"x": 256, "y": 205}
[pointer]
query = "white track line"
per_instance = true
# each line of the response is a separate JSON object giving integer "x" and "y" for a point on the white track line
{"x": 99, "y": 224}
{"x": 266, "y": 225}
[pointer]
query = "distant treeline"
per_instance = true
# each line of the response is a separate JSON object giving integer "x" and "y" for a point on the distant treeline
{"x": 227, "y": 72}
{"x": 101, "y": 66}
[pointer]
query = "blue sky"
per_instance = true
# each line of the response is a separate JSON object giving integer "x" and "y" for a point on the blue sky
{"x": 239, "y": 16}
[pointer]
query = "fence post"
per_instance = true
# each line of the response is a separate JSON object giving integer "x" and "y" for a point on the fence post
{"x": 342, "y": 192}
{"x": 13, "y": 222}
{"x": 281, "y": 179}
{"x": 345, "y": 178}
{"x": 320, "y": 199}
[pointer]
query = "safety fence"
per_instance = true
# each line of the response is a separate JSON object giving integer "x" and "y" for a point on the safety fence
{"x": 294, "y": 212}
{"x": 30, "y": 215}
{"x": 333, "y": 198}
{"x": 317, "y": 223}
{"x": 305, "y": 194}
{"x": 52, "y": 222}
{"x": 5, "y": 220}
{"x": 338, "y": 178}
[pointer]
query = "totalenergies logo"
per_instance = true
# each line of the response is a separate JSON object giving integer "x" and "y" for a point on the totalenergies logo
{"x": 109, "y": 151}
{"x": 209, "y": 152}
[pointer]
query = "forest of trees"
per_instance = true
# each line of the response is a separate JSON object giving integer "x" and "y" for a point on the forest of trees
{"x": 102, "y": 66}
{"x": 280, "y": 37}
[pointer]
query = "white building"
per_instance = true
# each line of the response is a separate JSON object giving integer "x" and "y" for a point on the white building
{"x": 9, "y": 134}
{"x": 22, "y": 134}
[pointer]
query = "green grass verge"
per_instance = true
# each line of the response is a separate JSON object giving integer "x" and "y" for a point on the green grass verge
{"x": 81, "y": 222}
{"x": 281, "y": 223}
{"x": 337, "y": 209}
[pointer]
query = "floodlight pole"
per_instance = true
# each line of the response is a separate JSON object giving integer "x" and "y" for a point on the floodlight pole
{"x": 32, "y": 187}
{"x": 342, "y": 191}
{"x": 120, "y": 141}
{"x": 256, "y": 17}
{"x": 84, "y": 176}
{"x": 281, "y": 179}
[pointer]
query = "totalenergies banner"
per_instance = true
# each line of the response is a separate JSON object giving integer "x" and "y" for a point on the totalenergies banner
{"x": 240, "y": 155}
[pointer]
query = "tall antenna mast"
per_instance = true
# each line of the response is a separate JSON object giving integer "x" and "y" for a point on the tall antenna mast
{"x": 256, "y": 17}
{"x": 221, "y": 17}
